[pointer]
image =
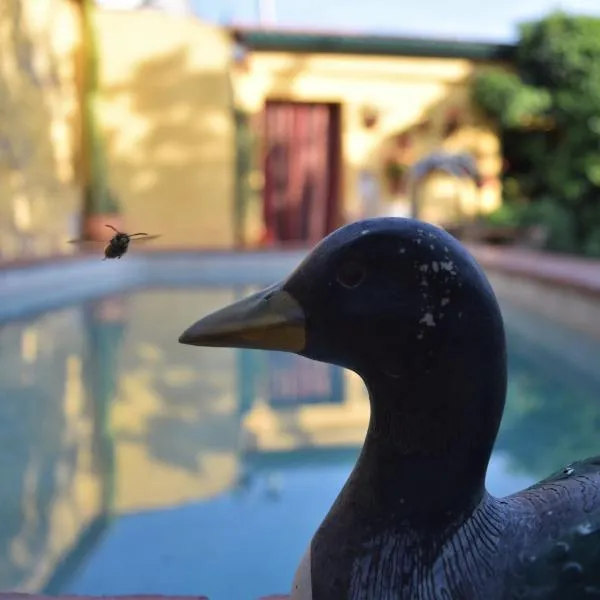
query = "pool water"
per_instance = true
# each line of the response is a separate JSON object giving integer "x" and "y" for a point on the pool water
{"x": 133, "y": 464}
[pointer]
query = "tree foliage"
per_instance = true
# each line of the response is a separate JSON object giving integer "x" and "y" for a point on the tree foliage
{"x": 548, "y": 110}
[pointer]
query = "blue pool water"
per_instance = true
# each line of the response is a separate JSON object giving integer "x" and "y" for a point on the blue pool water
{"x": 132, "y": 464}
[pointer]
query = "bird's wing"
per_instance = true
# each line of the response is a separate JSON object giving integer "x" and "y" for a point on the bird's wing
{"x": 562, "y": 560}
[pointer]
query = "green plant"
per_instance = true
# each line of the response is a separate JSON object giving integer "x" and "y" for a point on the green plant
{"x": 394, "y": 173}
{"x": 100, "y": 201}
{"x": 515, "y": 104}
{"x": 558, "y": 221}
{"x": 506, "y": 215}
{"x": 394, "y": 170}
{"x": 548, "y": 112}
{"x": 246, "y": 153}
{"x": 98, "y": 197}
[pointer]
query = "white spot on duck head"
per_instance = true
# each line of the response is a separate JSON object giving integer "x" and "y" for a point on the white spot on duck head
{"x": 428, "y": 320}
{"x": 448, "y": 265}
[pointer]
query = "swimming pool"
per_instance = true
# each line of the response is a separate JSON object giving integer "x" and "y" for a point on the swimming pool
{"x": 132, "y": 464}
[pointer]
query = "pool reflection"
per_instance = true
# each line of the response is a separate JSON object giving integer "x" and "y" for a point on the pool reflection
{"x": 132, "y": 463}
{"x": 56, "y": 478}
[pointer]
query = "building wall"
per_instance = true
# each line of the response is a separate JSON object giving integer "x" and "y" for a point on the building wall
{"x": 166, "y": 114}
{"x": 409, "y": 95}
{"x": 39, "y": 126}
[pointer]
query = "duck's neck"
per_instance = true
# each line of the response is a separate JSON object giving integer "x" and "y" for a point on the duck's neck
{"x": 430, "y": 437}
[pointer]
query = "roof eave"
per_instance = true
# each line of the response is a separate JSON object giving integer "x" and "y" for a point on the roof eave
{"x": 264, "y": 40}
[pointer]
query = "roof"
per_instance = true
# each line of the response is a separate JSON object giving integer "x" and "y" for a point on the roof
{"x": 340, "y": 43}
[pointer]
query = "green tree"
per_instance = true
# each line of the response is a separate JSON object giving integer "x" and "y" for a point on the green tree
{"x": 548, "y": 111}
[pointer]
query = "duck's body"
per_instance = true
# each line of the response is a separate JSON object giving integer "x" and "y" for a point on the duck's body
{"x": 404, "y": 305}
{"x": 541, "y": 543}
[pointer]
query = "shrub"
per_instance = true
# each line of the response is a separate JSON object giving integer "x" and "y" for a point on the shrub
{"x": 549, "y": 115}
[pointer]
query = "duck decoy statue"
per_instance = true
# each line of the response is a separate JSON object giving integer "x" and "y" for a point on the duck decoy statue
{"x": 403, "y": 304}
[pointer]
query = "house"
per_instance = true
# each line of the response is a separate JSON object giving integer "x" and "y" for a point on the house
{"x": 341, "y": 120}
{"x": 235, "y": 137}
{"x": 228, "y": 137}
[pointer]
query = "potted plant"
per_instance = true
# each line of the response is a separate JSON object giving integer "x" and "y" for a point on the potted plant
{"x": 395, "y": 176}
{"x": 100, "y": 205}
{"x": 100, "y": 209}
{"x": 452, "y": 122}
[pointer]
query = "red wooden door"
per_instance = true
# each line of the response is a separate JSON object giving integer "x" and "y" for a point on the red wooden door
{"x": 301, "y": 195}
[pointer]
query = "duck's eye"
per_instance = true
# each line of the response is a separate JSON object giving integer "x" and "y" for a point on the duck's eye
{"x": 351, "y": 275}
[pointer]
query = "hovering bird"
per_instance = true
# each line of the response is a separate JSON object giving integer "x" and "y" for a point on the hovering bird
{"x": 403, "y": 304}
{"x": 119, "y": 243}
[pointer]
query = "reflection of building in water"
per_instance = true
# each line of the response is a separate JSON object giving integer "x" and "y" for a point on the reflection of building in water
{"x": 175, "y": 416}
{"x": 331, "y": 412}
{"x": 294, "y": 380}
{"x": 52, "y": 491}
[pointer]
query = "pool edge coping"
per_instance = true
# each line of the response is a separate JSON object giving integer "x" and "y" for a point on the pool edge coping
{"x": 573, "y": 272}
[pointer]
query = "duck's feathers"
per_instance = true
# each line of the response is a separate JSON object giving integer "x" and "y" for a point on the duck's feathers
{"x": 540, "y": 544}
{"x": 560, "y": 529}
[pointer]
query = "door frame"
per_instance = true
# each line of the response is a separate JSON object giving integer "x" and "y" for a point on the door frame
{"x": 335, "y": 150}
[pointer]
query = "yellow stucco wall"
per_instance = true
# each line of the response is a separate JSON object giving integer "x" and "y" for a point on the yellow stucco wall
{"x": 39, "y": 126}
{"x": 166, "y": 114}
{"x": 404, "y": 91}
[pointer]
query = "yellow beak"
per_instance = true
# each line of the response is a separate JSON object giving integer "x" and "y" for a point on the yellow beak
{"x": 268, "y": 320}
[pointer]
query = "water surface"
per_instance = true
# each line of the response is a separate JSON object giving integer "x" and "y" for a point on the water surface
{"x": 133, "y": 464}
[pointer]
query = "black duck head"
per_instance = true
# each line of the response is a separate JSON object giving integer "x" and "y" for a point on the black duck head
{"x": 403, "y": 304}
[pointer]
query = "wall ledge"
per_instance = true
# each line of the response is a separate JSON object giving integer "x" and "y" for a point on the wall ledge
{"x": 564, "y": 288}
{"x": 577, "y": 273}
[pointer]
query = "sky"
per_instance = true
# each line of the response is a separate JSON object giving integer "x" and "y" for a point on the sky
{"x": 449, "y": 19}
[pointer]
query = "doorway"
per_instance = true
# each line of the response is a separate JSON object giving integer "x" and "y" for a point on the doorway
{"x": 302, "y": 171}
